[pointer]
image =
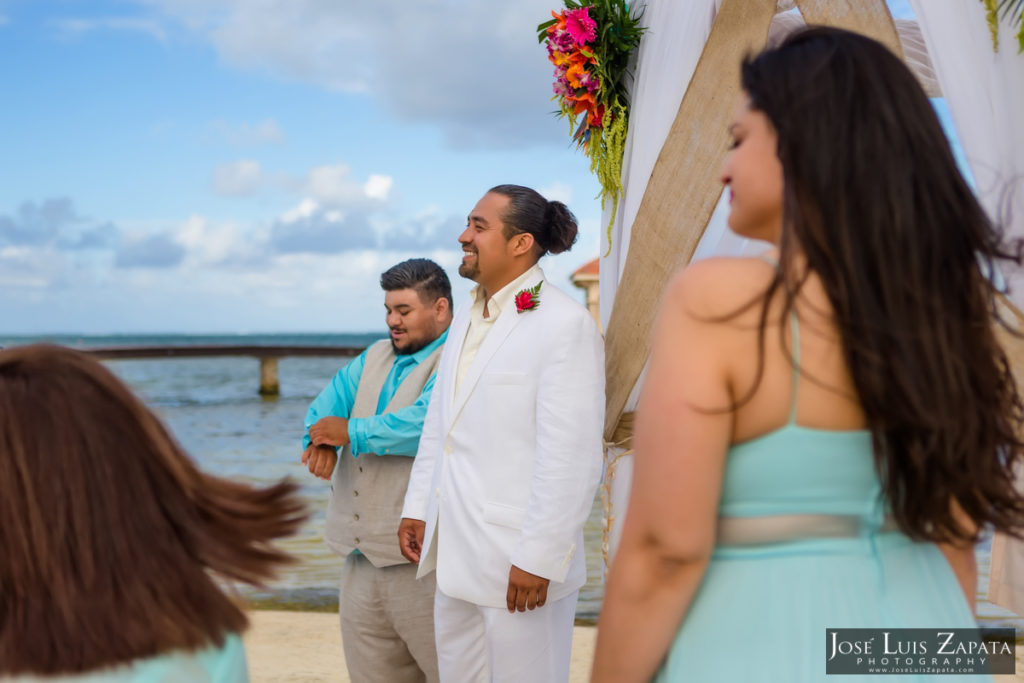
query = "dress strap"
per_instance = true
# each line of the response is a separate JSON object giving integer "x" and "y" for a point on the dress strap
{"x": 795, "y": 328}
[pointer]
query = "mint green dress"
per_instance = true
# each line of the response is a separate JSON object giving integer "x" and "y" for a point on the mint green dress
{"x": 224, "y": 664}
{"x": 762, "y": 609}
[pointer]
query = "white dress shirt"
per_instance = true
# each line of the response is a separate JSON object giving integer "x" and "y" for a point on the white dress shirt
{"x": 480, "y": 325}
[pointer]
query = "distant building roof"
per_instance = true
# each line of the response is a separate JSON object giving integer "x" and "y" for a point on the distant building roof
{"x": 589, "y": 268}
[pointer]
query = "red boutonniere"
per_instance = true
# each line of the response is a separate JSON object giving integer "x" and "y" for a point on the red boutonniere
{"x": 528, "y": 299}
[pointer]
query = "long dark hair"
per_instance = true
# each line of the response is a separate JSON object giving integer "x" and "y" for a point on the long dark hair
{"x": 108, "y": 532}
{"x": 875, "y": 203}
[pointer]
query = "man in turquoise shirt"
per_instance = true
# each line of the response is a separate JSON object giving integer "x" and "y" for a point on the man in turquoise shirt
{"x": 373, "y": 410}
{"x": 395, "y": 433}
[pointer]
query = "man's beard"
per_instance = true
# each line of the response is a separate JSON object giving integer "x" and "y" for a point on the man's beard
{"x": 468, "y": 271}
{"x": 411, "y": 348}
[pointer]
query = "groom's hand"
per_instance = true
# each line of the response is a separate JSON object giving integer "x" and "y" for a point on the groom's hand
{"x": 525, "y": 590}
{"x": 410, "y": 538}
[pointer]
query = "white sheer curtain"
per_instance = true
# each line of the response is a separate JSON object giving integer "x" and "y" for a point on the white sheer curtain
{"x": 666, "y": 59}
{"x": 665, "y": 63}
{"x": 985, "y": 93}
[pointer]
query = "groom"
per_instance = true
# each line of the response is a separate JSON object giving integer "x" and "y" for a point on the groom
{"x": 510, "y": 455}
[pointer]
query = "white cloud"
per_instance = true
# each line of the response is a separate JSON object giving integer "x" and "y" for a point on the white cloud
{"x": 328, "y": 185}
{"x": 557, "y": 191}
{"x": 238, "y": 178}
{"x": 306, "y": 208}
{"x": 246, "y": 134}
{"x": 75, "y": 27}
{"x": 211, "y": 244}
{"x": 333, "y": 185}
{"x": 264, "y": 131}
{"x": 201, "y": 274}
{"x": 378, "y": 186}
{"x": 473, "y": 68}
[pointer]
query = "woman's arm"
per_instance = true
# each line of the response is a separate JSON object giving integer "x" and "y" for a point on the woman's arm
{"x": 684, "y": 425}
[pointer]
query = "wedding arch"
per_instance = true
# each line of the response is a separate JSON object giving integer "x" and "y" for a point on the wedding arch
{"x": 672, "y": 211}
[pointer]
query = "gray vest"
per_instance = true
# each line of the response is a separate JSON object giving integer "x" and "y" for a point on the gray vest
{"x": 367, "y": 492}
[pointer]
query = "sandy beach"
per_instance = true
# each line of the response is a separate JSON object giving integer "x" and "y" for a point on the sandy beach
{"x": 303, "y": 647}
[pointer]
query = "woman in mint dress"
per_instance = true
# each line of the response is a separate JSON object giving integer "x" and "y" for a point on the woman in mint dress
{"x": 111, "y": 537}
{"x": 823, "y": 431}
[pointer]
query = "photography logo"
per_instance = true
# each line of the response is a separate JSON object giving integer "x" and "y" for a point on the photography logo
{"x": 920, "y": 651}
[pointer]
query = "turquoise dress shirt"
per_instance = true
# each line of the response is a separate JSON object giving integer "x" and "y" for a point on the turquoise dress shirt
{"x": 394, "y": 433}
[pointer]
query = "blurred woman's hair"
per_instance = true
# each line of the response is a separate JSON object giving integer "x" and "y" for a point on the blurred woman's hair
{"x": 876, "y": 205}
{"x": 111, "y": 538}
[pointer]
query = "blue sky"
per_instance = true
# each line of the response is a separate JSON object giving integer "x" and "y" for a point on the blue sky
{"x": 253, "y": 165}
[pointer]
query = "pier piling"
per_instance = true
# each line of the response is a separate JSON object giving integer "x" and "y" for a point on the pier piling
{"x": 269, "y": 384}
{"x": 268, "y": 355}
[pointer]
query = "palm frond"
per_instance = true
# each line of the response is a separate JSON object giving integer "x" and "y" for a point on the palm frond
{"x": 1010, "y": 12}
{"x": 1012, "y": 9}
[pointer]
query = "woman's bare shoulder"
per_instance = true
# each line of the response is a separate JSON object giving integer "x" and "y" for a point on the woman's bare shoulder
{"x": 717, "y": 287}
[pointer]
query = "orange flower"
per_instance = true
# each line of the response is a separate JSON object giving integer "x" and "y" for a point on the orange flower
{"x": 559, "y": 24}
{"x": 573, "y": 74}
{"x": 570, "y": 58}
{"x": 559, "y": 58}
{"x": 578, "y": 63}
{"x": 584, "y": 103}
{"x": 578, "y": 57}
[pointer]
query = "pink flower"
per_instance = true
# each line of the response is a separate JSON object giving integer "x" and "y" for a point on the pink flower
{"x": 591, "y": 82}
{"x": 562, "y": 41}
{"x": 580, "y": 26}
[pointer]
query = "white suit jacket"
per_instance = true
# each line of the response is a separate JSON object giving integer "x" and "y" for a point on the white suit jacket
{"x": 506, "y": 470}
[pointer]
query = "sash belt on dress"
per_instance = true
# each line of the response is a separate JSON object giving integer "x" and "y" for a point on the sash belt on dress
{"x": 782, "y": 528}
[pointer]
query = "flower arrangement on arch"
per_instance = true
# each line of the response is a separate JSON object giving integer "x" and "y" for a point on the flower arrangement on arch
{"x": 590, "y": 43}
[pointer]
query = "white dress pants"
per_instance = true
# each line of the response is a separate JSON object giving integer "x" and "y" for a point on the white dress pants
{"x": 491, "y": 645}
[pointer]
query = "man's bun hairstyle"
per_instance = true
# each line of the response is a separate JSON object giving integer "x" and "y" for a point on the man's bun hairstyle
{"x": 559, "y": 227}
{"x": 552, "y": 224}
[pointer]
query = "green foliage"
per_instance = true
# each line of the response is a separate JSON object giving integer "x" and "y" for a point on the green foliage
{"x": 1009, "y": 11}
{"x": 606, "y": 160}
{"x": 618, "y": 35}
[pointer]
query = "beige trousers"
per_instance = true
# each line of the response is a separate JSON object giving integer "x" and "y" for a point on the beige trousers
{"x": 387, "y": 623}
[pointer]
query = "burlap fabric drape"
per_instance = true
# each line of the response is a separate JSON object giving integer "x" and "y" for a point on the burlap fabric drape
{"x": 683, "y": 188}
{"x": 682, "y": 193}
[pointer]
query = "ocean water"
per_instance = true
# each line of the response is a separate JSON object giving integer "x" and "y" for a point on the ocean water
{"x": 213, "y": 408}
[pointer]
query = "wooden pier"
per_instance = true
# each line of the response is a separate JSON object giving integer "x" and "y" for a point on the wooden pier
{"x": 268, "y": 356}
